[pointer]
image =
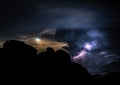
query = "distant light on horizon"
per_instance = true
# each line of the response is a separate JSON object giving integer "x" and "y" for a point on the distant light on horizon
{"x": 37, "y": 39}
{"x": 41, "y": 44}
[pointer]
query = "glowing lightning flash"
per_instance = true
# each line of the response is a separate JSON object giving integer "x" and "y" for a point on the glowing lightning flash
{"x": 80, "y": 55}
{"x": 88, "y": 46}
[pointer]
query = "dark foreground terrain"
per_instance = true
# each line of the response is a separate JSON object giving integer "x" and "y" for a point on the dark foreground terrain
{"x": 21, "y": 62}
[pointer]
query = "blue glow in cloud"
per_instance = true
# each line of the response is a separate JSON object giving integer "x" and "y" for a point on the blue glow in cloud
{"x": 94, "y": 33}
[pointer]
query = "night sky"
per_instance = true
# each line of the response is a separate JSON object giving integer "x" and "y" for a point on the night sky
{"x": 90, "y": 29}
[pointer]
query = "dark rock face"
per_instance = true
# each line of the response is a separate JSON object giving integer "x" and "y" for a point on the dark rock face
{"x": 19, "y": 48}
{"x": 21, "y": 60}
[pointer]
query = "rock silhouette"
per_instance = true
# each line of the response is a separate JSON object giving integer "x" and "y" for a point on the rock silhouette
{"x": 14, "y": 47}
{"x": 21, "y": 60}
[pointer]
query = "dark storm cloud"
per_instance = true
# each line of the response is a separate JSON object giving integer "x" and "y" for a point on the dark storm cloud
{"x": 23, "y": 16}
{"x": 11, "y": 12}
{"x": 102, "y": 52}
{"x": 71, "y": 18}
{"x": 28, "y": 18}
{"x": 66, "y": 15}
